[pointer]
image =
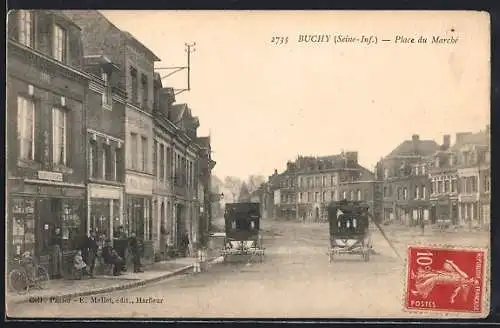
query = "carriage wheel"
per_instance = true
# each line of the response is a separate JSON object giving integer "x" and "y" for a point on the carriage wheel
{"x": 18, "y": 281}
{"x": 42, "y": 277}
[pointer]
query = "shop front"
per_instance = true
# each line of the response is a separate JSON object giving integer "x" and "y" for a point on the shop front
{"x": 34, "y": 213}
{"x": 104, "y": 209}
{"x": 139, "y": 208}
{"x": 444, "y": 209}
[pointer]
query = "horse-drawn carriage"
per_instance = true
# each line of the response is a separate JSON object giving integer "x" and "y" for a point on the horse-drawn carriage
{"x": 349, "y": 229}
{"x": 243, "y": 239}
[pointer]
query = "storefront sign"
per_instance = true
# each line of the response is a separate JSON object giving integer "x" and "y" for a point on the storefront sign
{"x": 104, "y": 192}
{"x": 138, "y": 185}
{"x": 51, "y": 176}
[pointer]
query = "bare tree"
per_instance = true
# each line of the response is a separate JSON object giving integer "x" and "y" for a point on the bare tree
{"x": 233, "y": 185}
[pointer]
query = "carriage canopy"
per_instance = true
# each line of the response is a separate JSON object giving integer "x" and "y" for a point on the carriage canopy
{"x": 348, "y": 218}
{"x": 242, "y": 220}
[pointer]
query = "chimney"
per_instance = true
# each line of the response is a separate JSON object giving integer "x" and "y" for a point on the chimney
{"x": 415, "y": 140}
{"x": 275, "y": 172}
{"x": 352, "y": 157}
{"x": 446, "y": 141}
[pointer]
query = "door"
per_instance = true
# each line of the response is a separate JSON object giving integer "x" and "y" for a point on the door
{"x": 179, "y": 224}
{"x": 433, "y": 214}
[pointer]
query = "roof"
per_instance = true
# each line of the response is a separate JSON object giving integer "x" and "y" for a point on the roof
{"x": 407, "y": 148}
{"x": 139, "y": 44}
{"x": 204, "y": 141}
{"x": 100, "y": 60}
{"x": 178, "y": 111}
{"x": 480, "y": 138}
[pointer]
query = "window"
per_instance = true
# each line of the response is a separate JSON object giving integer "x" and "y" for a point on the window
{"x": 26, "y": 128}
{"x": 417, "y": 170}
{"x": 344, "y": 194}
{"x": 367, "y": 195}
{"x": 107, "y": 163}
{"x": 487, "y": 183}
{"x": 440, "y": 187}
{"x": 323, "y": 197}
{"x": 324, "y": 181}
{"x": 424, "y": 192}
{"x": 405, "y": 193}
{"x": 25, "y": 27}
{"x": 162, "y": 162}
{"x": 447, "y": 186}
{"x": 333, "y": 195}
{"x": 134, "y": 87}
{"x": 93, "y": 159}
{"x": 144, "y": 154}
{"x": 59, "y": 136}
{"x": 454, "y": 185}
{"x": 423, "y": 169}
{"x": 359, "y": 195}
{"x": 155, "y": 158}
{"x": 417, "y": 192}
{"x": 134, "y": 151}
{"x": 316, "y": 196}
{"x": 352, "y": 195}
{"x": 474, "y": 184}
{"x": 59, "y": 46}
{"x": 309, "y": 197}
{"x": 115, "y": 164}
{"x": 145, "y": 91}
{"x": 107, "y": 96}
{"x": 300, "y": 197}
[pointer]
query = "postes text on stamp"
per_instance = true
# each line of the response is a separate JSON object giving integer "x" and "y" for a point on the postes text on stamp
{"x": 445, "y": 279}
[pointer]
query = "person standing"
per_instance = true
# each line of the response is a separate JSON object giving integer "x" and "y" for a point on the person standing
{"x": 56, "y": 245}
{"x": 135, "y": 248}
{"x": 90, "y": 249}
{"x": 185, "y": 244}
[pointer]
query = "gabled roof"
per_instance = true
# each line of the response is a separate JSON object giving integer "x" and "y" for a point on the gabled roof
{"x": 177, "y": 112}
{"x": 407, "y": 148}
{"x": 129, "y": 37}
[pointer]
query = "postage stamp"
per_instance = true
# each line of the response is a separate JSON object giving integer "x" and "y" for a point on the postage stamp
{"x": 446, "y": 279}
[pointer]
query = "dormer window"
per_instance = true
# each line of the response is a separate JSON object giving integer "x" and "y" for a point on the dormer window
{"x": 59, "y": 43}
{"x": 107, "y": 96}
{"x": 25, "y": 27}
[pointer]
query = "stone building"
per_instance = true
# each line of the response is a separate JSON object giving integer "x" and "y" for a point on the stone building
{"x": 105, "y": 133}
{"x": 207, "y": 196}
{"x": 46, "y": 96}
{"x": 405, "y": 180}
{"x": 136, "y": 64}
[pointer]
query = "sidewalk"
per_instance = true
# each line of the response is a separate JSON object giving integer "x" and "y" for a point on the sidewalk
{"x": 60, "y": 289}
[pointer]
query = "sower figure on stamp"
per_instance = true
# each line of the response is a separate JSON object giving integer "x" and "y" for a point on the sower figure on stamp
{"x": 56, "y": 245}
{"x": 426, "y": 280}
{"x": 135, "y": 248}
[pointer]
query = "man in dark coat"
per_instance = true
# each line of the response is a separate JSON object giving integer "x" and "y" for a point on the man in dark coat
{"x": 90, "y": 248}
{"x": 135, "y": 248}
{"x": 56, "y": 245}
{"x": 110, "y": 256}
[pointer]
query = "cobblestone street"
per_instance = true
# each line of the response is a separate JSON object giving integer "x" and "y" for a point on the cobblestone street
{"x": 295, "y": 280}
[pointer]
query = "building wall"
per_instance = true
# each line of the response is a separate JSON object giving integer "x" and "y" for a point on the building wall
{"x": 43, "y": 195}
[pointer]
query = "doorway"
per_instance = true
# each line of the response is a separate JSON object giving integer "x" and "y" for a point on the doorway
{"x": 179, "y": 211}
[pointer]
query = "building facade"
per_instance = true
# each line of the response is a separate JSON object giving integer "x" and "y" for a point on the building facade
{"x": 105, "y": 146}
{"x": 136, "y": 76}
{"x": 46, "y": 96}
{"x": 405, "y": 181}
{"x": 207, "y": 195}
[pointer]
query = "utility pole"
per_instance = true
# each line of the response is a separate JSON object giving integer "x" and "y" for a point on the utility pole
{"x": 171, "y": 70}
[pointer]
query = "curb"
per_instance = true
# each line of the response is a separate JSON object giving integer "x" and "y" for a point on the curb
{"x": 129, "y": 285}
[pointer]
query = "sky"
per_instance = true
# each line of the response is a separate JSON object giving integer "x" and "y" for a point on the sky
{"x": 264, "y": 104}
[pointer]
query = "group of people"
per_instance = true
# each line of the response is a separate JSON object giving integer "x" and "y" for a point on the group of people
{"x": 92, "y": 247}
{"x": 86, "y": 260}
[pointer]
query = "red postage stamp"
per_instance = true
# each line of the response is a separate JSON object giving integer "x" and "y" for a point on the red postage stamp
{"x": 445, "y": 279}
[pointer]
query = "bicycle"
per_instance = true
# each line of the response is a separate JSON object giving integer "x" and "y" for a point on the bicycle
{"x": 21, "y": 282}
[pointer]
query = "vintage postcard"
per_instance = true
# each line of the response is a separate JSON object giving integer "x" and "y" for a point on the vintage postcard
{"x": 248, "y": 164}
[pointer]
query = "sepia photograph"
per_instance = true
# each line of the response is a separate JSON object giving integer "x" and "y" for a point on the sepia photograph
{"x": 247, "y": 164}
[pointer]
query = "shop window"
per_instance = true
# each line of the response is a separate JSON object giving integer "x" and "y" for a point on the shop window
{"x": 70, "y": 222}
{"x": 100, "y": 216}
{"x": 26, "y": 128}
{"x": 22, "y": 217}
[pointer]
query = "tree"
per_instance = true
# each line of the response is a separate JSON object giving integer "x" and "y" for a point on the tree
{"x": 233, "y": 185}
{"x": 254, "y": 182}
{"x": 244, "y": 193}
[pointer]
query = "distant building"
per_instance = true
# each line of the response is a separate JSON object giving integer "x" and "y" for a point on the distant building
{"x": 405, "y": 180}
{"x": 460, "y": 177}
